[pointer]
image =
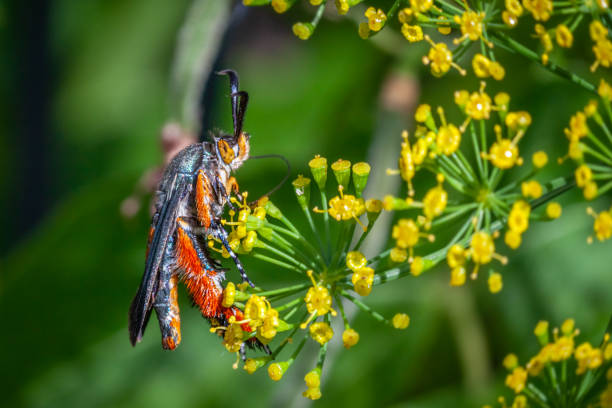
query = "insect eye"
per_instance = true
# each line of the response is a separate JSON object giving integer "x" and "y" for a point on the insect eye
{"x": 227, "y": 153}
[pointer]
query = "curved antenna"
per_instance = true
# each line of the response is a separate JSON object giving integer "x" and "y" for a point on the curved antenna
{"x": 234, "y": 93}
{"x": 244, "y": 100}
{"x": 280, "y": 184}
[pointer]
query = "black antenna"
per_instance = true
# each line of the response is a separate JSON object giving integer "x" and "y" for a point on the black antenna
{"x": 239, "y": 99}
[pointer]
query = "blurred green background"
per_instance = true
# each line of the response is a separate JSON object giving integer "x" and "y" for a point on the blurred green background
{"x": 85, "y": 94}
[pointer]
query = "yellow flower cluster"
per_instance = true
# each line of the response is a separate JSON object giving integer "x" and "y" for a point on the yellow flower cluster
{"x": 590, "y": 145}
{"x": 363, "y": 276}
{"x": 554, "y": 359}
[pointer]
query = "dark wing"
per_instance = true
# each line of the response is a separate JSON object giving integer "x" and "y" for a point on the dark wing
{"x": 163, "y": 228}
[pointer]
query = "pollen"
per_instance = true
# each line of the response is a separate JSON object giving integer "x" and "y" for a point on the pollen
{"x": 478, "y": 105}
{"x": 400, "y": 321}
{"x": 471, "y": 26}
{"x": 345, "y": 207}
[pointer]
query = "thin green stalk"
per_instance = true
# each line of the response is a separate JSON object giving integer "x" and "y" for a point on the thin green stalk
{"x": 326, "y": 221}
{"x": 289, "y": 304}
{"x": 500, "y": 38}
{"x": 365, "y": 307}
{"x": 477, "y": 152}
{"x": 274, "y": 261}
{"x": 599, "y": 144}
{"x": 284, "y": 255}
{"x": 293, "y": 288}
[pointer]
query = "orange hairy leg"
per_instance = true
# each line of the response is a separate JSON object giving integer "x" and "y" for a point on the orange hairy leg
{"x": 170, "y": 342}
{"x": 204, "y": 198}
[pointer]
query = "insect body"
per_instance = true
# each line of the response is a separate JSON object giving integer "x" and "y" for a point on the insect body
{"x": 189, "y": 204}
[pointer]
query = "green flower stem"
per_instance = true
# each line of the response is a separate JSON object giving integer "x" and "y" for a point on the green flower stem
{"x": 342, "y": 312}
{"x": 603, "y": 126}
{"x": 326, "y": 221}
{"x": 291, "y": 313}
{"x": 483, "y": 148}
{"x": 477, "y": 151}
{"x": 380, "y": 256}
{"x": 393, "y": 9}
{"x": 322, "y": 355}
{"x": 318, "y": 14}
{"x": 293, "y": 288}
{"x": 454, "y": 212}
{"x": 294, "y": 261}
{"x": 576, "y": 22}
{"x": 299, "y": 238}
{"x": 587, "y": 149}
{"x": 503, "y": 40}
{"x": 289, "y": 225}
{"x": 274, "y": 261}
{"x": 456, "y": 170}
{"x": 293, "y": 250}
{"x": 306, "y": 211}
{"x": 535, "y": 395}
{"x": 556, "y": 189}
{"x": 450, "y": 7}
{"x": 552, "y": 374}
{"x": 606, "y": 187}
{"x": 345, "y": 228}
{"x": 467, "y": 167}
{"x": 456, "y": 184}
{"x": 365, "y": 307}
{"x": 364, "y": 235}
{"x": 601, "y": 176}
{"x": 599, "y": 144}
{"x": 606, "y": 104}
{"x": 466, "y": 171}
{"x": 289, "y": 304}
{"x": 286, "y": 341}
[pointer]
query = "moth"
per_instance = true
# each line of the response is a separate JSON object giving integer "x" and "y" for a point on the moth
{"x": 189, "y": 203}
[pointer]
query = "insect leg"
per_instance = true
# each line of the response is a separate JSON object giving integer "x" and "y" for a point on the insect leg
{"x": 166, "y": 302}
{"x": 221, "y": 235}
{"x": 232, "y": 186}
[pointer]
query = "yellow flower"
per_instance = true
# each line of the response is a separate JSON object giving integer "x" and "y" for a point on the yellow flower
{"x": 421, "y": 6}
{"x": 495, "y": 282}
{"x": 412, "y": 33}
{"x": 349, "y": 338}
{"x": 602, "y": 225}
{"x": 535, "y": 365}
{"x": 400, "y": 321}
{"x": 479, "y": 105}
{"x": 321, "y": 332}
{"x": 516, "y": 380}
{"x": 233, "y": 338}
{"x": 406, "y": 233}
{"x": 597, "y": 31}
{"x": 470, "y": 24}
{"x": 434, "y": 202}
{"x": 455, "y": 256}
{"x": 603, "y": 54}
{"x": 318, "y": 300}
{"x": 531, "y": 189}
{"x": 448, "y": 139}
{"x": 303, "y": 31}
{"x": 345, "y": 207}
{"x": 510, "y": 19}
{"x": 564, "y": 36}
{"x": 497, "y": 70}
{"x": 255, "y": 310}
{"x": 539, "y": 9}
{"x": 362, "y": 280}
{"x": 583, "y": 174}
{"x": 376, "y": 18}
{"x": 513, "y": 239}
{"x": 229, "y": 294}
{"x": 440, "y": 59}
{"x": 514, "y": 7}
{"x": 267, "y": 331}
{"x": 539, "y": 159}
{"x": 605, "y": 90}
{"x": 312, "y": 393}
{"x": 482, "y": 247}
{"x": 416, "y": 267}
{"x": 562, "y": 349}
{"x": 253, "y": 364}
{"x": 355, "y": 260}
{"x": 398, "y": 255}
{"x": 277, "y": 370}
{"x": 458, "y": 276}
{"x": 553, "y": 210}
{"x": 518, "y": 219}
{"x": 510, "y": 361}
{"x": 480, "y": 63}
{"x": 313, "y": 382}
{"x": 520, "y": 401}
{"x": 590, "y": 190}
